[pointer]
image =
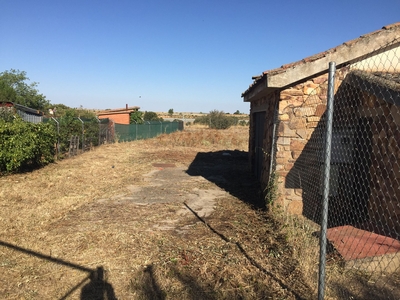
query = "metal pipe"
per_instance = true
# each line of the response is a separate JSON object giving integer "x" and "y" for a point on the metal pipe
{"x": 327, "y": 165}
{"x": 98, "y": 120}
{"x": 135, "y": 129}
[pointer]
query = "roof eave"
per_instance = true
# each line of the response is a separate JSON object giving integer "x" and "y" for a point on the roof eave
{"x": 318, "y": 64}
{"x": 259, "y": 90}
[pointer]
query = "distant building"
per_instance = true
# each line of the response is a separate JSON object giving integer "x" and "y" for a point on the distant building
{"x": 119, "y": 115}
{"x": 27, "y": 114}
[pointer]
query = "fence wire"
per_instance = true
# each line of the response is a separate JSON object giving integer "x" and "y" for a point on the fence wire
{"x": 94, "y": 132}
{"x": 363, "y": 217}
{"x": 91, "y": 132}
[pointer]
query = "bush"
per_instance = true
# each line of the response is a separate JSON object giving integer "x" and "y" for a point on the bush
{"x": 203, "y": 120}
{"x": 25, "y": 145}
{"x": 219, "y": 120}
{"x": 6, "y": 114}
{"x": 216, "y": 120}
{"x": 136, "y": 117}
{"x": 151, "y": 116}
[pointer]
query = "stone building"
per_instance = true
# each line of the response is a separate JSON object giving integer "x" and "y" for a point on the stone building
{"x": 287, "y": 125}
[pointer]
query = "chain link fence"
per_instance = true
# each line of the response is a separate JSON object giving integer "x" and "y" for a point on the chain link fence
{"x": 83, "y": 134}
{"x": 91, "y": 132}
{"x": 345, "y": 177}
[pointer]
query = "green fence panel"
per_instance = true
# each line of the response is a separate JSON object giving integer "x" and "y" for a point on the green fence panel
{"x": 131, "y": 132}
{"x": 125, "y": 133}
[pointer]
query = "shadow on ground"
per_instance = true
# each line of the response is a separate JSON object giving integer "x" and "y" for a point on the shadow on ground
{"x": 146, "y": 286}
{"x": 231, "y": 172}
{"x": 96, "y": 286}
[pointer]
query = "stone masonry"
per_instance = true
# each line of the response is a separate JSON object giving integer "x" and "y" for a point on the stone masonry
{"x": 300, "y": 110}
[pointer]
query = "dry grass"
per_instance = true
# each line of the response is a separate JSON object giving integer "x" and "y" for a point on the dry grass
{"x": 341, "y": 282}
{"x": 71, "y": 212}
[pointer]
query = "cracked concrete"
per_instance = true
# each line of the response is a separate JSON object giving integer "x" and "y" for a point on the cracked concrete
{"x": 173, "y": 184}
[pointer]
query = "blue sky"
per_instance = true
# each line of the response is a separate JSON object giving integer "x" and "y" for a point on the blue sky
{"x": 191, "y": 56}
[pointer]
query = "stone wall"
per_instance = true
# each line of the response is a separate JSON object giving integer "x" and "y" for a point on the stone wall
{"x": 367, "y": 187}
{"x": 300, "y": 109}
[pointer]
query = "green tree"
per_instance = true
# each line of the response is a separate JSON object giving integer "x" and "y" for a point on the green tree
{"x": 7, "y": 93}
{"x": 60, "y": 110}
{"x": 151, "y": 116}
{"x": 6, "y": 114}
{"x": 136, "y": 117}
{"x": 69, "y": 125}
{"x": 170, "y": 112}
{"x": 237, "y": 112}
{"x": 25, "y": 145}
{"x": 25, "y": 94}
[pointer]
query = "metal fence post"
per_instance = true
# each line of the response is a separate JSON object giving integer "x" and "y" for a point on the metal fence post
{"x": 135, "y": 129}
{"x": 58, "y": 135}
{"x": 327, "y": 162}
{"x": 83, "y": 134}
{"x": 98, "y": 120}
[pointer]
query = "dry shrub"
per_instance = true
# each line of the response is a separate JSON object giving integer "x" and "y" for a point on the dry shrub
{"x": 232, "y": 138}
{"x": 301, "y": 236}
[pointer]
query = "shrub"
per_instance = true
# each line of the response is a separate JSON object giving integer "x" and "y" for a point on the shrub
{"x": 203, "y": 120}
{"x": 219, "y": 120}
{"x": 151, "y": 116}
{"x": 6, "y": 114}
{"x": 136, "y": 117}
{"x": 25, "y": 145}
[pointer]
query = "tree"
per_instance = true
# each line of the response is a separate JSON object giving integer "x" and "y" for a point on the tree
{"x": 7, "y": 93}
{"x": 237, "y": 112}
{"x": 136, "y": 117}
{"x": 151, "y": 116}
{"x": 60, "y": 110}
{"x": 25, "y": 94}
{"x": 170, "y": 112}
{"x": 25, "y": 145}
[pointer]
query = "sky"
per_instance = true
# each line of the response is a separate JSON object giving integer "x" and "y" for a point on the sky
{"x": 185, "y": 55}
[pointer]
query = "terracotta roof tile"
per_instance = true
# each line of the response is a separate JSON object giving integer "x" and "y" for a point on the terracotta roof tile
{"x": 391, "y": 25}
{"x": 351, "y": 42}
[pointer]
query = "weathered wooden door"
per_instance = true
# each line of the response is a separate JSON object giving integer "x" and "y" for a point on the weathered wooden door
{"x": 259, "y": 122}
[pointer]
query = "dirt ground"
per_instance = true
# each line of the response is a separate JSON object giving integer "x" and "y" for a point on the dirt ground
{"x": 181, "y": 222}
